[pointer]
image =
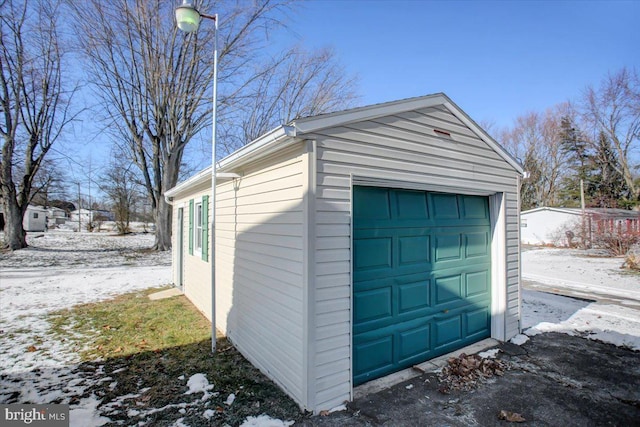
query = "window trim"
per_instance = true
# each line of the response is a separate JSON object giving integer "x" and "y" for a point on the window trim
{"x": 197, "y": 228}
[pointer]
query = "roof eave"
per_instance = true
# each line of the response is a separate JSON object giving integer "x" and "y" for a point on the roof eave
{"x": 267, "y": 143}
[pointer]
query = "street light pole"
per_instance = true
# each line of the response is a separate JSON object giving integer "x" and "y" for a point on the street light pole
{"x": 188, "y": 19}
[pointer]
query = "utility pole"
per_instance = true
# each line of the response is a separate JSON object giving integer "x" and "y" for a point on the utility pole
{"x": 584, "y": 231}
{"x": 79, "y": 208}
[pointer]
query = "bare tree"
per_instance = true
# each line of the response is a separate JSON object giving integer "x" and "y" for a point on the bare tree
{"x": 298, "y": 83}
{"x": 535, "y": 140}
{"x": 154, "y": 81}
{"x": 34, "y": 103}
{"x": 48, "y": 183}
{"x": 613, "y": 109}
{"x": 120, "y": 185}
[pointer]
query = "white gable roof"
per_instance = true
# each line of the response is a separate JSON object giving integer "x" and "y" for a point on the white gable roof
{"x": 282, "y": 136}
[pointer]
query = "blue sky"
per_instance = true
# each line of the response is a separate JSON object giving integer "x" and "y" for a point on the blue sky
{"x": 497, "y": 60}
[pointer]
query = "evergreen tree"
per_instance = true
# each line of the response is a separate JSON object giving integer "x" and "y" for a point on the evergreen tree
{"x": 579, "y": 163}
{"x": 608, "y": 185}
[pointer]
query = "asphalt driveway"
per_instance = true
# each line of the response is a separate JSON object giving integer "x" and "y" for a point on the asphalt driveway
{"x": 553, "y": 380}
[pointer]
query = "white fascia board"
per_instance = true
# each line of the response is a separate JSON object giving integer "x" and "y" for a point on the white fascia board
{"x": 273, "y": 140}
{"x": 202, "y": 177}
{"x": 255, "y": 147}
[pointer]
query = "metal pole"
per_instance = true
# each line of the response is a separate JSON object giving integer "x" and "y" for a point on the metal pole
{"x": 79, "y": 209}
{"x": 212, "y": 250}
{"x": 582, "y": 212}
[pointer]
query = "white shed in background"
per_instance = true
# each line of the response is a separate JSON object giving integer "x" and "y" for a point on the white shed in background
{"x": 556, "y": 226}
{"x": 35, "y": 219}
{"x": 356, "y": 244}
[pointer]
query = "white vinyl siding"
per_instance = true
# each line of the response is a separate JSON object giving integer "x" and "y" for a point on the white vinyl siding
{"x": 196, "y": 271}
{"x": 403, "y": 148}
{"x": 259, "y": 258}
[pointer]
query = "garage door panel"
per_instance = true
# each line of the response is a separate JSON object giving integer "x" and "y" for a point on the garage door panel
{"x": 476, "y": 244}
{"x": 374, "y": 304}
{"x": 448, "y": 330}
{"x": 475, "y": 207}
{"x": 373, "y": 356}
{"x": 477, "y": 322}
{"x": 445, "y": 206}
{"x": 372, "y": 204}
{"x": 448, "y": 289}
{"x": 414, "y": 250}
{"x": 411, "y": 205}
{"x": 373, "y": 253}
{"x": 477, "y": 284}
{"x": 414, "y": 296}
{"x": 415, "y": 342}
{"x": 426, "y": 290}
{"x": 448, "y": 247}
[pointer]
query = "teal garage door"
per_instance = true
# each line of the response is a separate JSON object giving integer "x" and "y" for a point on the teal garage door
{"x": 421, "y": 277}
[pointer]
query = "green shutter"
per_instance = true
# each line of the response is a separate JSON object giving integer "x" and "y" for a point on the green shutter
{"x": 205, "y": 228}
{"x": 190, "y": 227}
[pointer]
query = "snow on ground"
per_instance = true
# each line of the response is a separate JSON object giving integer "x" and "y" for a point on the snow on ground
{"x": 46, "y": 278}
{"x": 593, "y": 277}
{"x": 265, "y": 421}
{"x": 59, "y": 270}
{"x": 576, "y": 270}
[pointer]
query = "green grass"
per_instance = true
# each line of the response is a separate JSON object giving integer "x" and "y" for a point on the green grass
{"x": 140, "y": 344}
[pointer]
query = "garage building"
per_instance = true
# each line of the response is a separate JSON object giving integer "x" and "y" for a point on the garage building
{"x": 356, "y": 244}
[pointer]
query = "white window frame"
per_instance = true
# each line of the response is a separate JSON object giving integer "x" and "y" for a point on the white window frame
{"x": 197, "y": 228}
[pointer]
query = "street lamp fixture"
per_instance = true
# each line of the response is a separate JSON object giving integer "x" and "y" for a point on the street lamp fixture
{"x": 188, "y": 20}
{"x": 188, "y": 17}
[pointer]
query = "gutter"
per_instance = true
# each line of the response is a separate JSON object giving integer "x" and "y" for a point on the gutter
{"x": 270, "y": 142}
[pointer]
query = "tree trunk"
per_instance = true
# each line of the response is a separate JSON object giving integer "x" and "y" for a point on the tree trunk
{"x": 163, "y": 214}
{"x": 14, "y": 235}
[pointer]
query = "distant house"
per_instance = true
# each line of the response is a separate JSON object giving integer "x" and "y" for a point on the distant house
{"x": 556, "y": 226}
{"x": 35, "y": 219}
{"x": 90, "y": 215}
{"x": 57, "y": 216}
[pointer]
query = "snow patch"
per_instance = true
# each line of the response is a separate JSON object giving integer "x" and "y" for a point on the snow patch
{"x": 342, "y": 407}
{"x": 230, "y": 399}
{"x": 198, "y": 383}
{"x": 612, "y": 324}
{"x": 179, "y": 423}
{"x": 489, "y": 354}
{"x": 265, "y": 421}
{"x": 85, "y": 413}
{"x": 519, "y": 339}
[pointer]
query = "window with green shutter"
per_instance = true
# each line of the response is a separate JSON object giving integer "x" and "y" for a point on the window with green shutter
{"x": 190, "y": 227}
{"x": 205, "y": 228}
